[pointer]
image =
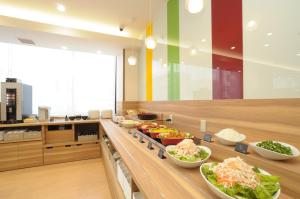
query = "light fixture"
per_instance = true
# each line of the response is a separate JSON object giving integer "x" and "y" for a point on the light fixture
{"x": 60, "y": 20}
{"x": 266, "y": 45}
{"x": 60, "y": 7}
{"x": 269, "y": 34}
{"x": 132, "y": 60}
{"x": 203, "y": 40}
{"x": 251, "y": 25}
{"x": 193, "y": 52}
{"x": 64, "y": 47}
{"x": 298, "y": 54}
{"x": 232, "y": 47}
{"x": 99, "y": 52}
{"x": 150, "y": 42}
{"x": 194, "y": 6}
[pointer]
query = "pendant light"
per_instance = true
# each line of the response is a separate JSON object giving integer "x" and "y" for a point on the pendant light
{"x": 150, "y": 41}
{"x": 194, "y": 6}
{"x": 132, "y": 59}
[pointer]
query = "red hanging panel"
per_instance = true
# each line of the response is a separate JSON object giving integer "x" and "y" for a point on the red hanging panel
{"x": 227, "y": 49}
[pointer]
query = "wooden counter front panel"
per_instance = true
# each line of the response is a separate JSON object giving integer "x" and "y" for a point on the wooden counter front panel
{"x": 20, "y": 155}
{"x": 114, "y": 185}
{"x": 30, "y": 154}
{"x": 69, "y": 153}
{"x": 8, "y": 156}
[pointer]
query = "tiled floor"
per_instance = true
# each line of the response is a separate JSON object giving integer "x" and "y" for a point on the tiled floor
{"x": 74, "y": 180}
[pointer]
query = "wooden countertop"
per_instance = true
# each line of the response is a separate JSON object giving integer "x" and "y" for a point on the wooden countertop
{"x": 48, "y": 123}
{"x": 155, "y": 177}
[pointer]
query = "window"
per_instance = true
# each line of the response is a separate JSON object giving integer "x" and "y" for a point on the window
{"x": 68, "y": 82}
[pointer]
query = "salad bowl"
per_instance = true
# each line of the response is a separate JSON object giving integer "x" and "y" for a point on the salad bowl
{"x": 186, "y": 163}
{"x": 223, "y": 195}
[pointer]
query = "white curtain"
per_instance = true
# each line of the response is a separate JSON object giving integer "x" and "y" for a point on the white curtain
{"x": 68, "y": 82}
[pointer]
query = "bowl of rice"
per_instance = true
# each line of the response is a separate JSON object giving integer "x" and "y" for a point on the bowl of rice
{"x": 229, "y": 137}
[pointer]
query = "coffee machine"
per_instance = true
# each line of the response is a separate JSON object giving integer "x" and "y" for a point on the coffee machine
{"x": 16, "y": 101}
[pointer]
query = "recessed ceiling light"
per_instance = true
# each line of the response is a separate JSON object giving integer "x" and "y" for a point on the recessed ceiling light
{"x": 269, "y": 34}
{"x": 64, "y": 47}
{"x": 232, "y": 47}
{"x": 61, "y": 20}
{"x": 266, "y": 45}
{"x": 99, "y": 51}
{"x": 60, "y": 7}
{"x": 251, "y": 25}
{"x": 203, "y": 40}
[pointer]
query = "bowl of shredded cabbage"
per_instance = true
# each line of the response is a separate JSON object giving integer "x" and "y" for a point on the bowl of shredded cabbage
{"x": 187, "y": 154}
{"x": 235, "y": 179}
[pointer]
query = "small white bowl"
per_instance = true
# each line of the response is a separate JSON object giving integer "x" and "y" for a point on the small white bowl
{"x": 272, "y": 155}
{"x": 129, "y": 123}
{"x": 230, "y": 142}
{"x": 223, "y": 195}
{"x": 186, "y": 164}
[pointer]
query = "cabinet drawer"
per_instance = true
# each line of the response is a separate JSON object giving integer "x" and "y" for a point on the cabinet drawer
{"x": 87, "y": 151}
{"x": 57, "y": 136}
{"x": 71, "y": 153}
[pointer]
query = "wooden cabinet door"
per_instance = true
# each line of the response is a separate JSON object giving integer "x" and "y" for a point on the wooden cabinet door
{"x": 8, "y": 156}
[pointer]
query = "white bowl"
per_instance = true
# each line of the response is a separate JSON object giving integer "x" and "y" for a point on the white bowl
{"x": 186, "y": 164}
{"x": 230, "y": 142}
{"x": 223, "y": 195}
{"x": 129, "y": 123}
{"x": 272, "y": 155}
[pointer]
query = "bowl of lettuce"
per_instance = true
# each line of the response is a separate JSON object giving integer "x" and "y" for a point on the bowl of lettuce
{"x": 234, "y": 179}
{"x": 187, "y": 154}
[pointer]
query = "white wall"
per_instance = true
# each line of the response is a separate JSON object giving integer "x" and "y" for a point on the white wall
{"x": 196, "y": 69}
{"x": 159, "y": 63}
{"x": 269, "y": 72}
{"x": 131, "y": 76}
{"x": 142, "y": 75}
{"x": 274, "y": 71}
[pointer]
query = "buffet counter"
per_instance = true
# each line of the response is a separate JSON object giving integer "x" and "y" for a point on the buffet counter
{"x": 155, "y": 177}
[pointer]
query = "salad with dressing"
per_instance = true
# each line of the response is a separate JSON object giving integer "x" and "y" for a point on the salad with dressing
{"x": 239, "y": 180}
{"x": 187, "y": 150}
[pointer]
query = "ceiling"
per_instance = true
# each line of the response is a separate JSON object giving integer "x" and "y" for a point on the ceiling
{"x": 97, "y": 20}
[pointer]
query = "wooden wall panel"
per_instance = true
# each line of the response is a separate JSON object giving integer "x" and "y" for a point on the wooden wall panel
{"x": 125, "y": 105}
{"x": 277, "y": 119}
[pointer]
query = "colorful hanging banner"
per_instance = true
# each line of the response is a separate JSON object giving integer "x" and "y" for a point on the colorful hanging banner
{"x": 149, "y": 55}
{"x": 173, "y": 50}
